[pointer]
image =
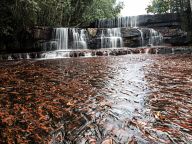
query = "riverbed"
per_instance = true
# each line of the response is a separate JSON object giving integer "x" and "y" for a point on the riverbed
{"x": 125, "y": 99}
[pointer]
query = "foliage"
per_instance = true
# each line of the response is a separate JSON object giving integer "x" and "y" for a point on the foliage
{"x": 165, "y": 6}
{"x": 18, "y": 15}
{"x": 159, "y": 7}
{"x": 58, "y": 12}
{"x": 181, "y": 7}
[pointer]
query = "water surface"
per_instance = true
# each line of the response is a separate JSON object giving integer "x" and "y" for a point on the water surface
{"x": 125, "y": 99}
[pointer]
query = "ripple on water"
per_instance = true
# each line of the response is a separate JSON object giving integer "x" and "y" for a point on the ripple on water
{"x": 133, "y": 98}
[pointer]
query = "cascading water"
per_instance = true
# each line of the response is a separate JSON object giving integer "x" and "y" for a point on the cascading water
{"x": 148, "y": 37}
{"x": 75, "y": 38}
{"x": 111, "y": 38}
{"x": 79, "y": 39}
{"x": 155, "y": 38}
{"x": 61, "y": 36}
{"x": 62, "y": 39}
{"x": 131, "y": 21}
{"x": 142, "y": 36}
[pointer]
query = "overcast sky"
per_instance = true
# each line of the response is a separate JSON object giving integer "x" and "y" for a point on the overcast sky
{"x": 134, "y": 7}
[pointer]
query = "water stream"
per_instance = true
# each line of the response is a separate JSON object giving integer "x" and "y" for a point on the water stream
{"x": 125, "y": 99}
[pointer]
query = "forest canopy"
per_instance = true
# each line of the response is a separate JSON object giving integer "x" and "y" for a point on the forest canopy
{"x": 17, "y": 15}
{"x": 182, "y": 7}
{"x": 168, "y": 6}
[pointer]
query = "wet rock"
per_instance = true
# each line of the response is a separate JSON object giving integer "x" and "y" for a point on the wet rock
{"x": 158, "y": 20}
{"x": 73, "y": 54}
{"x": 135, "y": 51}
{"x": 130, "y": 32}
{"x": 129, "y": 52}
{"x": 168, "y": 50}
{"x": 81, "y": 54}
{"x": 42, "y": 33}
{"x": 162, "y": 51}
{"x": 39, "y": 55}
{"x": 152, "y": 51}
{"x": 142, "y": 51}
{"x": 113, "y": 53}
{"x": 99, "y": 53}
{"x": 92, "y": 32}
{"x": 15, "y": 56}
{"x": 93, "y": 53}
{"x": 24, "y": 56}
{"x": 105, "y": 53}
{"x": 181, "y": 39}
{"x": 5, "y": 57}
{"x": 121, "y": 52}
{"x": 188, "y": 50}
{"x": 33, "y": 55}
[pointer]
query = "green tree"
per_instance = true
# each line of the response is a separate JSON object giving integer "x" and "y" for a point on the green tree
{"x": 181, "y": 7}
{"x": 159, "y": 7}
{"x": 17, "y": 16}
{"x": 166, "y": 6}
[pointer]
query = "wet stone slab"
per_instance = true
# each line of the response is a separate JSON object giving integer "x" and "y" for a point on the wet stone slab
{"x": 108, "y": 100}
{"x": 73, "y": 53}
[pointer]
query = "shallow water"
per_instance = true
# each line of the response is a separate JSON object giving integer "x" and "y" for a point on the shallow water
{"x": 125, "y": 99}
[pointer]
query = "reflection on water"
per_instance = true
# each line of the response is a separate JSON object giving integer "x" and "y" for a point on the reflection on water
{"x": 126, "y": 99}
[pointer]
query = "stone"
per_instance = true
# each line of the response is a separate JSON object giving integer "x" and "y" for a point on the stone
{"x": 81, "y": 54}
{"x": 99, "y": 53}
{"x": 42, "y": 33}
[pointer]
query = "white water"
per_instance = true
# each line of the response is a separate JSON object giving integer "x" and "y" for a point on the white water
{"x": 75, "y": 38}
{"x": 131, "y": 21}
{"x": 79, "y": 39}
{"x": 142, "y": 37}
{"x": 111, "y": 38}
{"x": 150, "y": 37}
{"x": 155, "y": 37}
{"x": 61, "y": 36}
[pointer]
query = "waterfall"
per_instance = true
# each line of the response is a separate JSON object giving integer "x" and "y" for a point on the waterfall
{"x": 129, "y": 21}
{"x": 142, "y": 37}
{"x": 79, "y": 39}
{"x": 61, "y": 36}
{"x": 150, "y": 37}
{"x": 155, "y": 38}
{"x": 62, "y": 39}
{"x": 102, "y": 39}
{"x": 111, "y": 38}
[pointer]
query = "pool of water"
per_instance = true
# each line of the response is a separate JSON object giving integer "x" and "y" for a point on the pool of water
{"x": 125, "y": 99}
